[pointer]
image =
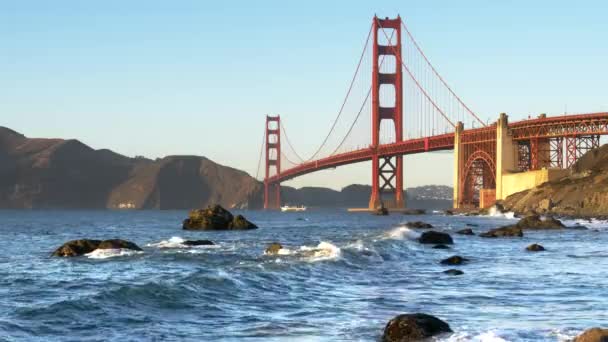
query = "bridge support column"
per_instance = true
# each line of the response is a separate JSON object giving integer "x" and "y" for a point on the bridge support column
{"x": 272, "y": 190}
{"x": 387, "y": 171}
{"x": 506, "y": 153}
{"x": 458, "y": 164}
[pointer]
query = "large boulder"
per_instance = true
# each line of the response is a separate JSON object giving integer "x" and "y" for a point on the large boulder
{"x": 198, "y": 243}
{"x": 435, "y": 238}
{"x": 215, "y": 218}
{"x": 503, "y": 232}
{"x": 414, "y": 327}
{"x": 83, "y": 246}
{"x": 593, "y": 335}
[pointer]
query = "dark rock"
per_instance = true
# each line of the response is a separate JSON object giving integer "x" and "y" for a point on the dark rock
{"x": 436, "y": 238}
{"x": 413, "y": 327}
{"x": 441, "y": 247}
{"x": 466, "y": 231}
{"x": 472, "y": 225}
{"x": 419, "y": 224}
{"x": 453, "y": 271}
{"x": 448, "y": 212}
{"x": 536, "y": 222}
{"x": 535, "y": 248}
{"x": 503, "y": 232}
{"x": 593, "y": 335}
{"x": 454, "y": 260}
{"x": 215, "y": 218}
{"x": 273, "y": 248}
{"x": 198, "y": 243}
{"x": 414, "y": 212}
{"x": 84, "y": 246}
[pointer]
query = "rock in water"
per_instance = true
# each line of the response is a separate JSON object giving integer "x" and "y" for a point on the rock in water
{"x": 414, "y": 212}
{"x": 435, "y": 238}
{"x": 84, "y": 246}
{"x": 454, "y": 260}
{"x": 381, "y": 211}
{"x": 413, "y": 327}
{"x": 198, "y": 243}
{"x": 441, "y": 247}
{"x": 419, "y": 224}
{"x": 535, "y": 248}
{"x": 215, "y": 218}
{"x": 273, "y": 248}
{"x": 466, "y": 231}
{"x": 536, "y": 222}
{"x": 453, "y": 271}
{"x": 593, "y": 335}
{"x": 503, "y": 232}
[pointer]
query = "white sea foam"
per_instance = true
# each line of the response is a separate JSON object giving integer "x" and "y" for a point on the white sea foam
{"x": 177, "y": 242}
{"x": 400, "y": 233}
{"x": 322, "y": 251}
{"x": 111, "y": 252}
{"x": 590, "y": 223}
{"x": 494, "y": 212}
{"x": 486, "y": 336}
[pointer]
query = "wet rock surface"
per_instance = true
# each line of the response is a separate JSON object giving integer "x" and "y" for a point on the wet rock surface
{"x": 84, "y": 246}
{"x": 198, "y": 243}
{"x": 508, "y": 231}
{"x": 535, "y": 248}
{"x": 593, "y": 335}
{"x": 465, "y": 231}
{"x": 419, "y": 225}
{"x": 414, "y": 327}
{"x": 441, "y": 247}
{"x": 435, "y": 238}
{"x": 215, "y": 217}
{"x": 273, "y": 248}
{"x": 454, "y": 260}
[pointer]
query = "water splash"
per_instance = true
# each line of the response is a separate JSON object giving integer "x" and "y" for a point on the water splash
{"x": 111, "y": 253}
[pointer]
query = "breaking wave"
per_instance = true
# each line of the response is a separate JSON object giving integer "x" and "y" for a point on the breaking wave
{"x": 111, "y": 253}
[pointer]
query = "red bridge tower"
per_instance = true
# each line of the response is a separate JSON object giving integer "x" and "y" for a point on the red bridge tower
{"x": 387, "y": 171}
{"x": 272, "y": 191}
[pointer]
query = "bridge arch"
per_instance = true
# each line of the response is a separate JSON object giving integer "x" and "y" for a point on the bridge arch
{"x": 479, "y": 172}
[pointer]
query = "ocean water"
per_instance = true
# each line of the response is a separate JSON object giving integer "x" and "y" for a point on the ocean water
{"x": 341, "y": 278}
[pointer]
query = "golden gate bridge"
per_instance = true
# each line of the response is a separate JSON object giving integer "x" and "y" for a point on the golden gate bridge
{"x": 374, "y": 123}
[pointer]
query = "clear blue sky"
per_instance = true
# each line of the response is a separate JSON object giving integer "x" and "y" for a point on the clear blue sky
{"x": 156, "y": 78}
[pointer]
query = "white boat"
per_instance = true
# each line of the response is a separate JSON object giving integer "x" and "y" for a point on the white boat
{"x": 290, "y": 208}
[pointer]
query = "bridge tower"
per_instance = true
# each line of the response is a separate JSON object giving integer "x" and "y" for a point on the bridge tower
{"x": 387, "y": 171}
{"x": 272, "y": 191}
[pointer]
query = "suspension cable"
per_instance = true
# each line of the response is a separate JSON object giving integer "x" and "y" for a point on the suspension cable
{"x": 363, "y": 105}
{"x": 416, "y": 81}
{"x": 289, "y": 143}
{"x": 257, "y": 173}
{"x": 350, "y": 88}
{"x": 437, "y": 73}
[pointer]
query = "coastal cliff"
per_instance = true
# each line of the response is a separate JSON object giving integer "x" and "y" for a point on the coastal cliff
{"x": 67, "y": 174}
{"x": 584, "y": 192}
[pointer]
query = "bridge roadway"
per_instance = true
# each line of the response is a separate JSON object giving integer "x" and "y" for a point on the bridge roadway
{"x": 541, "y": 128}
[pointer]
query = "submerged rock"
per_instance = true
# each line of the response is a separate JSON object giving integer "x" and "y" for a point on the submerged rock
{"x": 84, "y": 246}
{"x": 503, "y": 232}
{"x": 454, "y": 260}
{"x": 465, "y": 231}
{"x": 419, "y": 224}
{"x": 215, "y": 218}
{"x": 414, "y": 212}
{"x": 535, "y": 248}
{"x": 273, "y": 248}
{"x": 414, "y": 327}
{"x": 453, "y": 271}
{"x": 441, "y": 247}
{"x": 436, "y": 238}
{"x": 198, "y": 243}
{"x": 593, "y": 335}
